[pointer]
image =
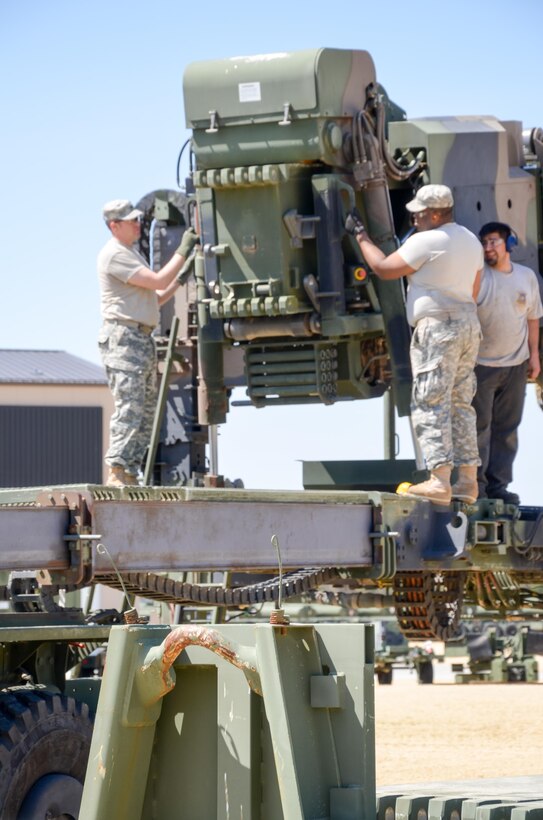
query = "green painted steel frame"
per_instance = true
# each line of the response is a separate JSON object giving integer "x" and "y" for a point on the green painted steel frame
{"x": 198, "y": 741}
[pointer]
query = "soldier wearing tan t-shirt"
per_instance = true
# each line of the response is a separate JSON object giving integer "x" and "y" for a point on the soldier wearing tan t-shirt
{"x": 443, "y": 262}
{"x": 131, "y": 294}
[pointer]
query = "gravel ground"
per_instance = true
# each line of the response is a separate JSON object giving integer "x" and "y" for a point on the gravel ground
{"x": 445, "y": 731}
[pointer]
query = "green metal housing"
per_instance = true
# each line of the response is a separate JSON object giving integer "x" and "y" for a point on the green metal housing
{"x": 309, "y": 95}
{"x": 274, "y": 148}
{"x": 482, "y": 160}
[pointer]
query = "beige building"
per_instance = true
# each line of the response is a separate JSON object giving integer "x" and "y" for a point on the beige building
{"x": 54, "y": 410}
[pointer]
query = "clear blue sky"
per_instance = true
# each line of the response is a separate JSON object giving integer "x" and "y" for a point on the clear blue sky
{"x": 92, "y": 109}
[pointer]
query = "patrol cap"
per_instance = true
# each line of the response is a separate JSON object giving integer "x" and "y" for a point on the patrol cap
{"x": 119, "y": 210}
{"x": 431, "y": 196}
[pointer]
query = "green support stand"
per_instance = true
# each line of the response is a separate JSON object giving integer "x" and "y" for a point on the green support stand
{"x": 252, "y": 721}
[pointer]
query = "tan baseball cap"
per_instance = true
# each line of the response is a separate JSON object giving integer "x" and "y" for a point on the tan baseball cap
{"x": 431, "y": 196}
{"x": 119, "y": 210}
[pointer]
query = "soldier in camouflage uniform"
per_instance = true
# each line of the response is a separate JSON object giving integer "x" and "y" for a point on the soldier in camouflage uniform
{"x": 444, "y": 262}
{"x": 130, "y": 297}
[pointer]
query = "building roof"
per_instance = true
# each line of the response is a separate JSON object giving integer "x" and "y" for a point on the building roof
{"x": 47, "y": 367}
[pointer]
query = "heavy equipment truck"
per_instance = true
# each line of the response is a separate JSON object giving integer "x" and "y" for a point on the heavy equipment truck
{"x": 279, "y": 301}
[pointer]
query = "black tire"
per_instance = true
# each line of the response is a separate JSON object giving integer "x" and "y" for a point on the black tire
{"x": 425, "y": 672}
{"x": 44, "y": 746}
{"x": 494, "y": 628}
{"x": 516, "y": 673}
{"x": 384, "y": 676}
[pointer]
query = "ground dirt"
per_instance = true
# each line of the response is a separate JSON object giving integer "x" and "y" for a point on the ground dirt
{"x": 447, "y": 731}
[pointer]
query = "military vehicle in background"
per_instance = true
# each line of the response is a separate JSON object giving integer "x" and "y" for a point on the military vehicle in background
{"x": 278, "y": 301}
{"x": 500, "y": 653}
{"x": 393, "y": 651}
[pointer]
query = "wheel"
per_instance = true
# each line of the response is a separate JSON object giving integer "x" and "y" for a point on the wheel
{"x": 44, "y": 746}
{"x": 384, "y": 676}
{"x": 516, "y": 673}
{"x": 425, "y": 672}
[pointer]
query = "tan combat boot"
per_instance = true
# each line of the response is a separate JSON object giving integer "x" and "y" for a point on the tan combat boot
{"x": 466, "y": 488}
{"x": 436, "y": 489}
{"x": 116, "y": 477}
{"x": 130, "y": 480}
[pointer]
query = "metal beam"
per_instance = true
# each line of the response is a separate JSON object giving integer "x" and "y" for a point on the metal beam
{"x": 217, "y": 531}
{"x": 32, "y": 538}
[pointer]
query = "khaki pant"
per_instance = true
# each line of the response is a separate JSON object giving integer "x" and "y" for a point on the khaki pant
{"x": 129, "y": 357}
{"x": 443, "y": 357}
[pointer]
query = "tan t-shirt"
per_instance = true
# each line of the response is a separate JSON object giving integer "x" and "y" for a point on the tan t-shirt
{"x": 119, "y": 299}
{"x": 506, "y": 301}
{"x": 446, "y": 261}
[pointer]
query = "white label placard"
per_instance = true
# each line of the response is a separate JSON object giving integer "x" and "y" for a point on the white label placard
{"x": 249, "y": 92}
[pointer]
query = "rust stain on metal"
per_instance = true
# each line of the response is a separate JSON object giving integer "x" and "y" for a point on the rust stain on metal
{"x": 203, "y": 636}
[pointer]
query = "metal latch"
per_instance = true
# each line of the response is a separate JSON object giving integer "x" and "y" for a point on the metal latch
{"x": 287, "y": 119}
{"x": 213, "y": 123}
{"x": 300, "y": 227}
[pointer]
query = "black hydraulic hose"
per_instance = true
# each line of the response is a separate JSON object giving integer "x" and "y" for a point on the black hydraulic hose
{"x": 394, "y": 170}
{"x": 178, "y": 167}
{"x": 372, "y": 141}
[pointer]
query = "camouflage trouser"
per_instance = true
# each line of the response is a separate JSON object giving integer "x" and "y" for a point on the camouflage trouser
{"x": 443, "y": 356}
{"x": 129, "y": 356}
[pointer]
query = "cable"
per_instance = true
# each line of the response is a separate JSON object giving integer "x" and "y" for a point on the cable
{"x": 178, "y": 167}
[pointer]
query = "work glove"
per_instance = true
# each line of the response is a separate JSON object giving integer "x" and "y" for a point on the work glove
{"x": 353, "y": 223}
{"x": 190, "y": 239}
{"x": 188, "y": 267}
